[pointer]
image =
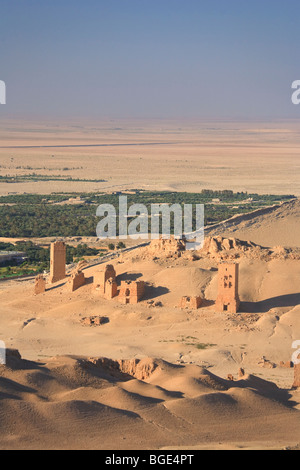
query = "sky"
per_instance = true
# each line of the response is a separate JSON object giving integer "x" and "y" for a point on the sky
{"x": 150, "y": 58}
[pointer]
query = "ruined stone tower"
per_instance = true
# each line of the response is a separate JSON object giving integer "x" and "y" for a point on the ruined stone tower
{"x": 131, "y": 292}
{"x": 228, "y": 295}
{"x": 193, "y": 303}
{"x": 40, "y": 285}
{"x": 101, "y": 278}
{"x": 57, "y": 262}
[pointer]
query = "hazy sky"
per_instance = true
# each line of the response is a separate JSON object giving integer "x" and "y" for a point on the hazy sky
{"x": 150, "y": 58}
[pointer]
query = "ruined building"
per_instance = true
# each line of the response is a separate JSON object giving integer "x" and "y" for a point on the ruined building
{"x": 111, "y": 289}
{"x": 40, "y": 285}
{"x": 57, "y": 262}
{"x": 168, "y": 247}
{"x": 131, "y": 292}
{"x": 193, "y": 303}
{"x": 228, "y": 296}
{"x": 77, "y": 277}
{"x": 77, "y": 280}
{"x": 105, "y": 281}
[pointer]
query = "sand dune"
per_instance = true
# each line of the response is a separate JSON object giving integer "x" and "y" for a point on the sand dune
{"x": 74, "y": 402}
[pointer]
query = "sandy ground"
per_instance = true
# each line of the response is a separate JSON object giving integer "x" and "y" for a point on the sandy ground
{"x": 94, "y": 404}
{"x": 257, "y": 157}
{"x": 172, "y": 406}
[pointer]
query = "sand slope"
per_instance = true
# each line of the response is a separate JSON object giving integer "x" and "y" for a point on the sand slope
{"x": 73, "y": 402}
{"x": 277, "y": 225}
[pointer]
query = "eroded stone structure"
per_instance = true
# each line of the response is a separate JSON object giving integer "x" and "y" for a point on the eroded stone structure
{"x": 131, "y": 292}
{"x": 228, "y": 296}
{"x": 94, "y": 321}
{"x": 57, "y": 262}
{"x": 193, "y": 303}
{"x": 40, "y": 285}
{"x": 168, "y": 247}
{"x": 101, "y": 278}
{"x": 77, "y": 280}
{"x": 111, "y": 289}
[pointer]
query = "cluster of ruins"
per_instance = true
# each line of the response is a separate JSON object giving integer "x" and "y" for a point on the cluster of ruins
{"x": 228, "y": 296}
{"x": 131, "y": 292}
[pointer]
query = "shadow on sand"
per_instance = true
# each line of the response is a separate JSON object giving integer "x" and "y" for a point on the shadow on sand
{"x": 129, "y": 276}
{"x": 282, "y": 301}
{"x": 152, "y": 292}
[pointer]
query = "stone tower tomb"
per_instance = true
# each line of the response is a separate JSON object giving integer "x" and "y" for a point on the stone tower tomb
{"x": 228, "y": 295}
{"x": 57, "y": 262}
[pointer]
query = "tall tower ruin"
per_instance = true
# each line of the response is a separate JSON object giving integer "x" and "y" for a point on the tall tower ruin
{"x": 57, "y": 262}
{"x": 228, "y": 294}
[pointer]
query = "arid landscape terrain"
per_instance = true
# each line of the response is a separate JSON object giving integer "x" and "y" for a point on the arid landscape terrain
{"x": 255, "y": 156}
{"x": 153, "y": 375}
{"x": 149, "y": 228}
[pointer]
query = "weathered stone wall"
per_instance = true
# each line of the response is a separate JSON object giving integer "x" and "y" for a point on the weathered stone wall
{"x": 131, "y": 292}
{"x": 77, "y": 280}
{"x": 111, "y": 289}
{"x": 194, "y": 302}
{"x": 169, "y": 247}
{"x": 101, "y": 277}
{"x": 40, "y": 285}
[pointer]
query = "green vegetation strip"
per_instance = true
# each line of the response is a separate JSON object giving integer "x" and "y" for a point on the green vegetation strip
{"x": 33, "y": 215}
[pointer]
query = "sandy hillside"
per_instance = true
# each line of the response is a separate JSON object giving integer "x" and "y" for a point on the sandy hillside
{"x": 72, "y": 402}
{"x": 277, "y": 225}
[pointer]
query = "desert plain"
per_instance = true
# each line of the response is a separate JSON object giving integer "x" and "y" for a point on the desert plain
{"x": 153, "y": 375}
{"x": 254, "y": 156}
